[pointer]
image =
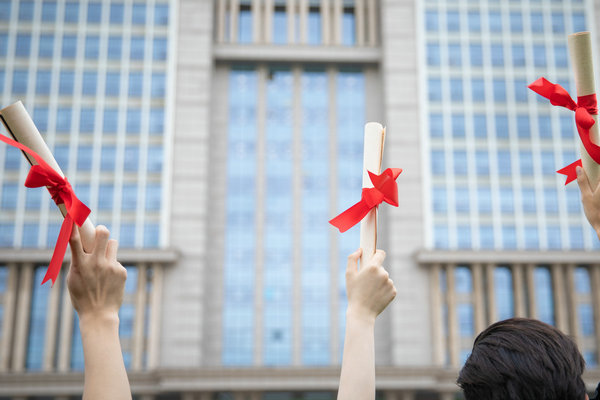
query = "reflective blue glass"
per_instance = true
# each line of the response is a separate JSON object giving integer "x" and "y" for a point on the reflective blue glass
{"x": 19, "y": 84}
{"x": 46, "y": 46}
{"x": 69, "y": 46}
{"x": 544, "y": 297}
{"x": 458, "y": 125}
{"x": 539, "y": 55}
{"x": 497, "y": 54}
{"x": 155, "y": 158}
{"x": 553, "y": 237}
{"x": 558, "y": 22}
{"x": 279, "y": 25}
{"x": 63, "y": 119}
{"x": 495, "y": 21}
{"x": 76, "y": 346}
{"x": 48, "y": 11}
{"x": 25, "y": 10}
{"x": 438, "y": 162}
{"x": 157, "y": 86}
{"x": 132, "y": 154}
{"x": 482, "y": 163}
{"x": 504, "y": 163}
{"x": 107, "y": 158}
{"x": 561, "y": 56}
{"x": 40, "y": 117}
{"x": 477, "y": 90}
{"x": 523, "y": 129}
{"x": 43, "y": 81}
{"x": 476, "y": 54}
{"x": 89, "y": 83}
{"x": 157, "y": 121}
{"x": 5, "y": 9}
{"x": 153, "y": 196}
{"x": 463, "y": 280}
{"x": 436, "y": 125}
{"x": 501, "y": 121}
{"x": 116, "y": 13}
{"x": 521, "y": 90}
{"x": 585, "y": 314}
{"x": 348, "y": 27}
{"x": 30, "y": 235}
{"x": 127, "y": 236}
{"x": 579, "y": 22}
{"x": 7, "y": 234}
{"x": 537, "y": 22}
{"x": 528, "y": 199}
{"x": 454, "y": 55}
{"x": 486, "y": 237}
{"x": 159, "y": 49}
{"x": 66, "y": 81}
{"x": 516, "y": 22}
{"x": 37, "y": 321}
{"x": 133, "y": 123}
{"x": 509, "y": 237}
{"x": 453, "y": 21}
{"x": 576, "y": 237}
{"x": 127, "y": 314}
{"x": 92, "y": 47}
{"x": 435, "y": 89}
{"x": 137, "y": 48}
{"x": 431, "y": 20}
{"x": 484, "y": 200}
{"x": 129, "y": 196}
{"x": 71, "y": 11}
{"x": 499, "y": 90}
{"x": 439, "y": 199}
{"x": 503, "y": 291}
{"x": 474, "y": 21}
{"x": 314, "y": 26}
{"x": 115, "y": 45}
{"x": 567, "y": 128}
{"x": 460, "y": 162}
{"x": 105, "y": 196}
{"x": 518, "y": 55}
{"x": 94, "y": 12}
{"x": 12, "y": 158}
{"x": 151, "y": 237}
{"x": 463, "y": 234}
{"x": 506, "y": 199}
{"x": 461, "y": 198}
{"x": 136, "y": 84}
{"x": 84, "y": 158}
{"x": 161, "y": 14}
{"x": 548, "y": 164}
{"x": 33, "y": 199}
{"x": 110, "y": 120}
{"x": 9, "y": 195}
{"x": 573, "y": 200}
{"x": 138, "y": 14}
{"x": 23, "y": 45}
{"x": 61, "y": 154}
{"x": 433, "y": 54}
{"x": 456, "y": 89}
{"x": 531, "y": 237}
{"x": 3, "y": 44}
{"x": 551, "y": 200}
{"x": 582, "y": 281}
{"x": 113, "y": 83}
{"x": 466, "y": 324}
{"x": 526, "y": 162}
{"x": 440, "y": 237}
{"x": 545, "y": 126}
{"x": 245, "y": 24}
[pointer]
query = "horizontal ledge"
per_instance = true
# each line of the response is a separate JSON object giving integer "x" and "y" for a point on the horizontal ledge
{"x": 297, "y": 53}
{"x": 506, "y": 257}
{"x": 42, "y": 256}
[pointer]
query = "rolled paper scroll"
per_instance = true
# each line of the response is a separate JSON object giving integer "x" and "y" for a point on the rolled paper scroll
{"x": 372, "y": 157}
{"x": 21, "y": 127}
{"x": 580, "y": 49}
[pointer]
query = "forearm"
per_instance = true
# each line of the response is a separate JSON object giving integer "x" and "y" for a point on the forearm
{"x": 105, "y": 376}
{"x": 357, "y": 380}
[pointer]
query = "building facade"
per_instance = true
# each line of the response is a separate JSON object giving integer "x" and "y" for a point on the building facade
{"x": 215, "y": 139}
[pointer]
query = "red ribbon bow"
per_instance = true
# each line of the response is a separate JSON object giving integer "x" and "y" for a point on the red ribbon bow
{"x": 385, "y": 189}
{"x": 585, "y": 107}
{"x": 62, "y": 193}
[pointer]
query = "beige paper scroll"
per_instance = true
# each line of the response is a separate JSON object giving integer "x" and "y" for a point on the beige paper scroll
{"x": 21, "y": 127}
{"x": 580, "y": 49}
{"x": 373, "y": 154}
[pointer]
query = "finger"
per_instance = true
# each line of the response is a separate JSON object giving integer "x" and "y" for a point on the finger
{"x": 377, "y": 259}
{"x": 583, "y": 182}
{"x": 111, "y": 249}
{"x": 101, "y": 242}
{"x": 77, "y": 252}
{"x": 353, "y": 261}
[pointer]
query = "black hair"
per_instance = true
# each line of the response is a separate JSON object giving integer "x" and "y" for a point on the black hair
{"x": 523, "y": 359}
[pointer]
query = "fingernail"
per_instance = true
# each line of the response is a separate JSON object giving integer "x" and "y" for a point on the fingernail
{"x": 578, "y": 170}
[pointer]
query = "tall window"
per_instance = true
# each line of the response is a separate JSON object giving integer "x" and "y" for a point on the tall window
{"x": 37, "y": 321}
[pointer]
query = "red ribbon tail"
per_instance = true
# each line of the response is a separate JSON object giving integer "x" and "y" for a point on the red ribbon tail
{"x": 350, "y": 217}
{"x": 59, "y": 250}
{"x": 570, "y": 171}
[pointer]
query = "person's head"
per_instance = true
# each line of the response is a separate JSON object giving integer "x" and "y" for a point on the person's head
{"x": 523, "y": 359}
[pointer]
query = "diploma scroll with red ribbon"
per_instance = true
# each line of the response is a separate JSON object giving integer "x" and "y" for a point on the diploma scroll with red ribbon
{"x": 46, "y": 172}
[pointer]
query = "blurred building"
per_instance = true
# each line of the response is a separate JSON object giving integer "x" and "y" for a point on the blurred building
{"x": 216, "y": 138}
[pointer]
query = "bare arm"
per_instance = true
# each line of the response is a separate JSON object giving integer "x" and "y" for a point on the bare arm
{"x": 96, "y": 282}
{"x": 590, "y": 199}
{"x": 370, "y": 290}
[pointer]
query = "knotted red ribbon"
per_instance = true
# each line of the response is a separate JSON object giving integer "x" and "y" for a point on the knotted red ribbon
{"x": 62, "y": 193}
{"x": 385, "y": 189}
{"x": 585, "y": 107}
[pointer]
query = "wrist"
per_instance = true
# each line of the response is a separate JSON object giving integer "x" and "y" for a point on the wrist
{"x": 98, "y": 320}
{"x": 360, "y": 314}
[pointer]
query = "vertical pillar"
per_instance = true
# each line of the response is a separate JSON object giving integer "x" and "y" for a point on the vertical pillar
{"x": 595, "y": 277}
{"x": 291, "y": 10}
{"x": 372, "y": 23}
{"x": 326, "y": 22}
{"x": 234, "y": 12}
{"x": 558, "y": 285}
{"x": 303, "y": 20}
{"x": 257, "y": 31}
{"x": 530, "y": 284}
{"x": 437, "y": 330}
{"x": 65, "y": 333}
{"x": 478, "y": 300}
{"x": 338, "y": 10}
{"x": 155, "y": 312}
{"x": 268, "y": 21}
{"x": 491, "y": 293}
{"x": 138, "y": 322}
{"x": 571, "y": 304}
{"x": 518, "y": 290}
{"x": 221, "y": 23}
{"x": 22, "y": 318}
{"x": 10, "y": 297}
{"x": 453, "y": 339}
{"x": 51, "y": 324}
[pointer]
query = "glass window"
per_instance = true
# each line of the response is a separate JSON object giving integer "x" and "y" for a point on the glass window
{"x": 438, "y": 164}
{"x": 348, "y": 27}
{"x": 482, "y": 162}
{"x": 460, "y": 162}
{"x": 521, "y": 90}
{"x": 43, "y": 81}
{"x": 573, "y": 200}
{"x": 127, "y": 235}
{"x": 466, "y": 324}
{"x": 23, "y": 46}
{"x": 529, "y": 201}
{"x": 94, "y": 12}
{"x": 506, "y": 199}
{"x": 579, "y": 22}
{"x": 9, "y": 194}
{"x": 136, "y": 84}
{"x": 453, "y": 21}
{"x": 30, "y": 237}
{"x": 433, "y": 54}
{"x": 138, "y": 14}
{"x": 48, "y": 11}
{"x": 474, "y": 21}
{"x": 19, "y": 84}
{"x": 129, "y": 200}
{"x": 558, "y": 22}
{"x": 3, "y": 44}
{"x": 71, "y": 11}
{"x": 151, "y": 235}
{"x": 539, "y": 55}
{"x": 63, "y": 119}
{"x": 531, "y": 238}
{"x": 484, "y": 200}
{"x": 110, "y": 120}
{"x": 153, "y": 196}
{"x": 132, "y": 153}
{"x": 157, "y": 86}
{"x": 435, "y": 89}
{"x": 561, "y": 56}
{"x": 582, "y": 280}
{"x": 61, "y": 153}
{"x": 107, "y": 159}
{"x": 134, "y": 116}
{"x": 544, "y": 126}
{"x": 69, "y": 46}
{"x": 543, "y": 295}
{"x": 441, "y": 237}
{"x": 523, "y": 129}
{"x": 551, "y": 200}
{"x": 46, "y": 49}
{"x": 66, "y": 81}
{"x": 37, "y": 321}
{"x": 105, "y": 196}
{"x": 497, "y": 53}
{"x": 5, "y": 6}
{"x": 7, "y": 234}
{"x": 86, "y": 122}
{"x": 115, "y": 44}
{"x": 476, "y": 54}
{"x": 458, "y": 125}
{"x": 495, "y": 21}
{"x": 503, "y": 292}
{"x": 456, "y": 89}
{"x": 89, "y": 83}
{"x": 499, "y": 90}
{"x": 585, "y": 314}
{"x": 504, "y": 163}
{"x": 84, "y": 158}
{"x": 12, "y": 159}
{"x": 477, "y": 90}
{"x": 113, "y": 83}
{"x": 537, "y": 22}
{"x": 92, "y": 47}
{"x": 480, "y": 125}
{"x": 509, "y": 237}
{"x": 518, "y": 55}
{"x": 137, "y": 48}
{"x": 486, "y": 237}
{"x": 245, "y": 24}
{"x": 436, "y": 125}
{"x": 161, "y": 14}
{"x": 454, "y": 55}
{"x": 526, "y": 162}
{"x": 516, "y": 22}
{"x": 553, "y": 237}
{"x": 462, "y": 199}
{"x": 116, "y": 13}
{"x": 566, "y": 126}
{"x": 155, "y": 158}
{"x": 280, "y": 24}
{"x": 157, "y": 121}
{"x": 440, "y": 200}
{"x": 548, "y": 165}
{"x": 314, "y": 25}
{"x": 25, "y": 10}
{"x": 431, "y": 20}
{"x": 159, "y": 51}
{"x": 576, "y": 237}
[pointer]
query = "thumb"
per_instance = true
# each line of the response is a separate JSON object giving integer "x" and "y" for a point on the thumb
{"x": 353, "y": 258}
{"x": 583, "y": 182}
